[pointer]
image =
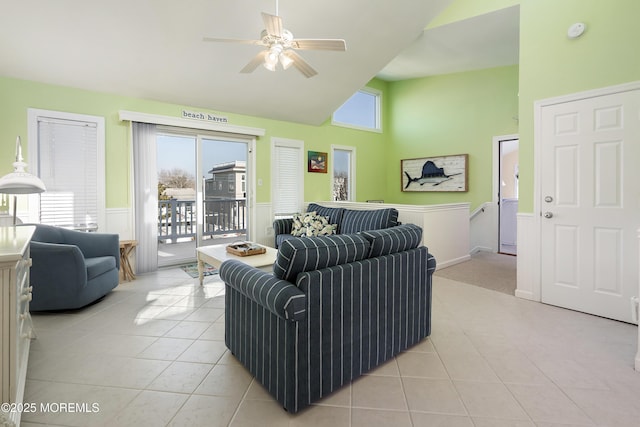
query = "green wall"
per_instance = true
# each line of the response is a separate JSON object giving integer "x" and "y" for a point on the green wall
{"x": 451, "y": 114}
{"x": 19, "y": 95}
{"x": 551, "y": 64}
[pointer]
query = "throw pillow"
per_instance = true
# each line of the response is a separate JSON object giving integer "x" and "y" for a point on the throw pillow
{"x": 298, "y": 255}
{"x": 355, "y": 221}
{"x": 311, "y": 224}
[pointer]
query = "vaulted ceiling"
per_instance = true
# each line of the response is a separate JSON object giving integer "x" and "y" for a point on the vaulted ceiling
{"x": 153, "y": 49}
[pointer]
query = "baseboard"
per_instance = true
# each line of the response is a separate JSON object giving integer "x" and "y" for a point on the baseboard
{"x": 524, "y": 294}
{"x": 451, "y": 262}
{"x": 480, "y": 249}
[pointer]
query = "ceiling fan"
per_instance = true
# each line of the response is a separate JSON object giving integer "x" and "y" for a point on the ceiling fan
{"x": 281, "y": 47}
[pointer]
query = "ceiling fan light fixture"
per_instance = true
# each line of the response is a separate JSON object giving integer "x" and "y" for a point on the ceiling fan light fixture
{"x": 285, "y": 60}
{"x": 271, "y": 58}
{"x": 269, "y": 65}
{"x": 281, "y": 47}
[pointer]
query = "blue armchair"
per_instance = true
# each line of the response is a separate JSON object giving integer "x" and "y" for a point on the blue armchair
{"x": 71, "y": 268}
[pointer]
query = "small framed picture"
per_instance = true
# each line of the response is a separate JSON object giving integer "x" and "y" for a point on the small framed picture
{"x": 317, "y": 162}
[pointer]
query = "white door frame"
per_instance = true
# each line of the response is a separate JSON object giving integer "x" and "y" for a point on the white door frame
{"x": 534, "y": 243}
{"x": 497, "y": 164}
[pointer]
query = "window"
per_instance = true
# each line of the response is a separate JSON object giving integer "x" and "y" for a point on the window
{"x": 287, "y": 171}
{"x": 343, "y": 178}
{"x": 68, "y": 155}
{"x": 361, "y": 111}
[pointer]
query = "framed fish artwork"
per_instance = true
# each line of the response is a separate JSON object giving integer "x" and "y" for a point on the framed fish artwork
{"x": 444, "y": 173}
{"x": 317, "y": 162}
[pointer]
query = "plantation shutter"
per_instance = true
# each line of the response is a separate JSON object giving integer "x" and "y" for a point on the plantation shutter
{"x": 68, "y": 157}
{"x": 287, "y": 186}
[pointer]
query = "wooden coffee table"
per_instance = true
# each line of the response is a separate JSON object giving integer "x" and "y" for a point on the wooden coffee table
{"x": 215, "y": 255}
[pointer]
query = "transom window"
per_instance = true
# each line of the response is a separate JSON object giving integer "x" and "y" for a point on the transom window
{"x": 361, "y": 111}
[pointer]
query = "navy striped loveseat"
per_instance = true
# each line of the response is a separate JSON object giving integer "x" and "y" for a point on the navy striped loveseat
{"x": 346, "y": 220}
{"x": 334, "y": 308}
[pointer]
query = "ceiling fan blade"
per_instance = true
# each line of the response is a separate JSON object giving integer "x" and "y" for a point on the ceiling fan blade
{"x": 273, "y": 24}
{"x": 254, "y": 63}
{"x": 300, "y": 64}
{"x": 242, "y": 41}
{"x": 319, "y": 44}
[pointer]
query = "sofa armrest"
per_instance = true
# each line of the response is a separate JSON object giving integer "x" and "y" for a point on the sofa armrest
{"x": 282, "y": 226}
{"x": 95, "y": 244}
{"x": 59, "y": 263}
{"x": 278, "y": 296}
{"x": 431, "y": 264}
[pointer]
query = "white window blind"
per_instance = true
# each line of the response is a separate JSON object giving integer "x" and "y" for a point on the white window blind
{"x": 287, "y": 192}
{"x": 68, "y": 165}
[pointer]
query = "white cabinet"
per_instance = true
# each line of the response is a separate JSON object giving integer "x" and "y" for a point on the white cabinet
{"x": 15, "y": 321}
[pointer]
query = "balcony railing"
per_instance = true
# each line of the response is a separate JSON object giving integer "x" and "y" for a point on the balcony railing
{"x": 177, "y": 219}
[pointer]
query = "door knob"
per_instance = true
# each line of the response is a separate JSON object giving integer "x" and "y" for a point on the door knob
{"x": 548, "y": 215}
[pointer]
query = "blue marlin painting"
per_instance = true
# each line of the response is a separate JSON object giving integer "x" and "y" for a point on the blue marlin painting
{"x": 431, "y": 174}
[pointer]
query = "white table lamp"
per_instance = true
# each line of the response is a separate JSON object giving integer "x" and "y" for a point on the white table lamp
{"x": 20, "y": 181}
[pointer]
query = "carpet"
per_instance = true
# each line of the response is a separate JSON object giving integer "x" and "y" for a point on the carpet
{"x": 192, "y": 269}
{"x": 485, "y": 269}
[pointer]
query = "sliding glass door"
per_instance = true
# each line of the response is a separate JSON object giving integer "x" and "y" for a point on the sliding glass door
{"x": 202, "y": 193}
{"x": 223, "y": 189}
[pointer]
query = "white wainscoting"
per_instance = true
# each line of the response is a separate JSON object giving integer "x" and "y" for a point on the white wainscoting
{"x": 637, "y": 308}
{"x": 120, "y": 221}
{"x": 262, "y": 230}
{"x": 528, "y": 263}
{"x": 445, "y": 228}
{"x": 483, "y": 229}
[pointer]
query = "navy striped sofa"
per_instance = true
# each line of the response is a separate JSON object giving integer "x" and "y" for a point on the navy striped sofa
{"x": 334, "y": 308}
{"x": 347, "y": 220}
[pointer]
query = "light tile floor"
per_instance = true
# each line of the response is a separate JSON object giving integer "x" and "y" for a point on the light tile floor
{"x": 152, "y": 353}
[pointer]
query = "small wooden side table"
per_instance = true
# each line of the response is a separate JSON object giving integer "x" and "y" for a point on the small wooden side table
{"x": 126, "y": 248}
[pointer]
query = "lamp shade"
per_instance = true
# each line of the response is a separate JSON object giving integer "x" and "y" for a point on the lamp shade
{"x": 20, "y": 181}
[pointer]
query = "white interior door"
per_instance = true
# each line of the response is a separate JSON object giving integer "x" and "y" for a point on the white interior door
{"x": 590, "y": 207}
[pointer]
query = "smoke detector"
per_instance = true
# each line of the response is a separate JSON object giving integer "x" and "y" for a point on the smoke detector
{"x": 576, "y": 30}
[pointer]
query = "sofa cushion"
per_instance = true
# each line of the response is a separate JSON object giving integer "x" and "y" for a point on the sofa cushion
{"x": 355, "y": 221}
{"x": 313, "y": 253}
{"x": 312, "y": 224}
{"x": 281, "y": 238}
{"x": 334, "y": 215}
{"x": 394, "y": 239}
{"x": 99, "y": 265}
